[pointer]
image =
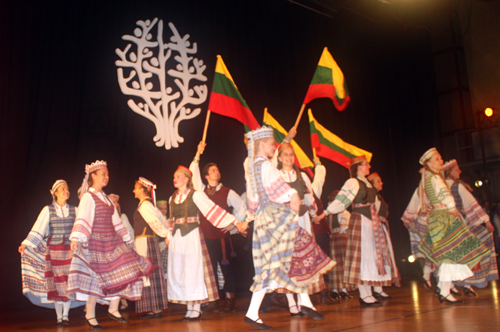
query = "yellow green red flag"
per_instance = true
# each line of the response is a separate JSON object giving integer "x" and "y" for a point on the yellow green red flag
{"x": 330, "y": 146}
{"x": 328, "y": 82}
{"x": 225, "y": 99}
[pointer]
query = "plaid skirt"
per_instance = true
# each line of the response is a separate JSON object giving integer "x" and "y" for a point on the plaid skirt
{"x": 352, "y": 263}
{"x": 208, "y": 274}
{"x": 110, "y": 270}
{"x": 338, "y": 244}
{"x": 154, "y": 297}
{"x": 57, "y": 262}
{"x": 286, "y": 254}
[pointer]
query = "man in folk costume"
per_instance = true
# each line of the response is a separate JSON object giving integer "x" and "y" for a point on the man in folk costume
{"x": 218, "y": 243}
{"x": 479, "y": 224}
{"x": 148, "y": 224}
{"x": 285, "y": 256}
{"x": 367, "y": 262}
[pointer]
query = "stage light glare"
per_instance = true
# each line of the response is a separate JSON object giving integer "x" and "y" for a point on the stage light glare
{"x": 478, "y": 183}
{"x": 488, "y": 112}
{"x": 411, "y": 259}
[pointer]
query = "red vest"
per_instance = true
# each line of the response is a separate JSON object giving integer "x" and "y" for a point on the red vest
{"x": 322, "y": 227}
{"x": 209, "y": 230}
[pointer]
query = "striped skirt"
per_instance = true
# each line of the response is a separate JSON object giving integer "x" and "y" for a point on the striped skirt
{"x": 154, "y": 297}
{"x": 57, "y": 263}
{"x": 450, "y": 241}
{"x": 487, "y": 269}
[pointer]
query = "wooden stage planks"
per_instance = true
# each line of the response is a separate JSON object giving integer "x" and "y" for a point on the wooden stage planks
{"x": 412, "y": 309}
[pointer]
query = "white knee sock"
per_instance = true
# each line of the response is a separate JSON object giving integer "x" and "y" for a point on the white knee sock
{"x": 344, "y": 290}
{"x": 66, "y": 306}
{"x": 305, "y": 300}
{"x": 292, "y": 305}
{"x": 378, "y": 289}
{"x": 59, "y": 309}
{"x": 255, "y": 302}
{"x": 365, "y": 293}
{"x": 196, "y": 311}
{"x": 189, "y": 310}
{"x": 445, "y": 286}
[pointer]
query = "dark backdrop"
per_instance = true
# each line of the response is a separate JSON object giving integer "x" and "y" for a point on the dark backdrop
{"x": 61, "y": 106}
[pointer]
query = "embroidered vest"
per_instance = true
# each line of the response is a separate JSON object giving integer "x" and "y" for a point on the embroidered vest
{"x": 60, "y": 227}
{"x": 458, "y": 200}
{"x": 141, "y": 227}
{"x": 384, "y": 208}
{"x": 178, "y": 212}
{"x": 209, "y": 230}
{"x": 365, "y": 195}
{"x": 103, "y": 228}
{"x": 301, "y": 189}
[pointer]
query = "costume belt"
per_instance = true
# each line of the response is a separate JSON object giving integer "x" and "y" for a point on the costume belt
{"x": 380, "y": 244}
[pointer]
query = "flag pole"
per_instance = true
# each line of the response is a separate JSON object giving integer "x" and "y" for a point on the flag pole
{"x": 300, "y": 115}
{"x": 206, "y": 127}
{"x": 314, "y": 153}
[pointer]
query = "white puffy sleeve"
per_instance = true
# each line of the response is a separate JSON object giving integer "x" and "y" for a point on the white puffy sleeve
{"x": 344, "y": 198}
{"x": 474, "y": 212}
{"x": 216, "y": 215}
{"x": 412, "y": 210}
{"x": 239, "y": 207}
{"x": 154, "y": 218}
{"x": 82, "y": 228}
{"x": 39, "y": 230}
{"x": 319, "y": 180}
{"x": 197, "y": 181}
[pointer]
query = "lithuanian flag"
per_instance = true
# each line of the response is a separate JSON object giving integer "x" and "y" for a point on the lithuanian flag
{"x": 225, "y": 99}
{"x": 330, "y": 146}
{"x": 328, "y": 82}
{"x": 301, "y": 158}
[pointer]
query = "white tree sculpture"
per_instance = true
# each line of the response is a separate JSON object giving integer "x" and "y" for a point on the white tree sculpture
{"x": 146, "y": 66}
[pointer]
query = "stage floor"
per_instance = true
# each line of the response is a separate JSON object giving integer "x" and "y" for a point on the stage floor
{"x": 412, "y": 309}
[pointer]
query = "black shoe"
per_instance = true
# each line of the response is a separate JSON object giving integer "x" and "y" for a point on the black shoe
{"x": 93, "y": 327}
{"x": 211, "y": 307}
{"x": 261, "y": 326}
{"x": 335, "y": 296}
{"x": 368, "y": 304}
{"x": 444, "y": 299}
{"x": 467, "y": 291}
{"x": 118, "y": 319}
{"x": 194, "y": 319}
{"x": 297, "y": 314}
{"x": 311, "y": 313}
{"x": 59, "y": 322}
{"x": 325, "y": 297}
{"x": 426, "y": 285}
{"x": 65, "y": 321}
{"x": 437, "y": 291}
{"x": 345, "y": 296}
{"x": 151, "y": 314}
{"x": 455, "y": 292}
{"x": 380, "y": 296}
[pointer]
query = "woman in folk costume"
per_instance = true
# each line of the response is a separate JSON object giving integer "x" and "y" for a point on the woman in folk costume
{"x": 190, "y": 277}
{"x": 367, "y": 263}
{"x": 148, "y": 223}
{"x": 299, "y": 181}
{"x": 46, "y": 255}
{"x": 162, "y": 205}
{"x": 285, "y": 255}
{"x": 105, "y": 266}
{"x": 448, "y": 243}
{"x": 338, "y": 243}
{"x": 383, "y": 214}
{"x": 478, "y": 223}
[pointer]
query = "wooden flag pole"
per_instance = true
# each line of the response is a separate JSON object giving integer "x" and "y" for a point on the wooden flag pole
{"x": 300, "y": 115}
{"x": 314, "y": 153}
{"x": 206, "y": 127}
